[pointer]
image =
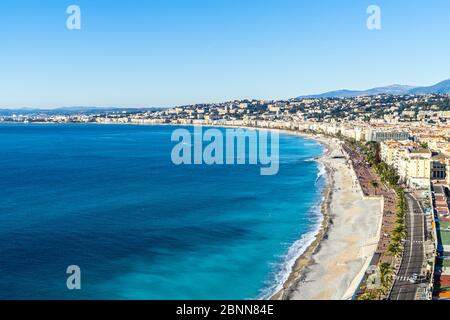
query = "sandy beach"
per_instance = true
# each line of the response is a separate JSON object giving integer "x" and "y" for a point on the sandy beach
{"x": 334, "y": 264}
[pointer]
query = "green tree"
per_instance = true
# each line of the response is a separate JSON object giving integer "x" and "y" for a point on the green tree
{"x": 369, "y": 295}
{"x": 386, "y": 275}
{"x": 399, "y": 231}
{"x": 395, "y": 249}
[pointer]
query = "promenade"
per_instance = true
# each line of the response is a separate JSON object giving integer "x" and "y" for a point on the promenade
{"x": 372, "y": 187}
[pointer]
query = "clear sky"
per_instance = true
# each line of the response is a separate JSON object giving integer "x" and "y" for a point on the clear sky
{"x": 170, "y": 52}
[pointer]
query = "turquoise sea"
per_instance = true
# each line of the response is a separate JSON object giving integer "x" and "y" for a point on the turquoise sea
{"x": 108, "y": 199}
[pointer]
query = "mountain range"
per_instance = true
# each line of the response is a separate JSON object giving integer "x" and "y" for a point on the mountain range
{"x": 396, "y": 89}
{"x": 67, "y": 111}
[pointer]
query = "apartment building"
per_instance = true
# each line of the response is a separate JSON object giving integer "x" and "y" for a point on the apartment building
{"x": 414, "y": 168}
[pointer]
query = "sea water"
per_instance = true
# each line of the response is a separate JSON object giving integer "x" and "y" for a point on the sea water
{"x": 108, "y": 198}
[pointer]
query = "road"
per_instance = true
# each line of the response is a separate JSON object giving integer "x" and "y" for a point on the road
{"x": 414, "y": 257}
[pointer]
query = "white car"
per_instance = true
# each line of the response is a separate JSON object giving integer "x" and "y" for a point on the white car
{"x": 416, "y": 278}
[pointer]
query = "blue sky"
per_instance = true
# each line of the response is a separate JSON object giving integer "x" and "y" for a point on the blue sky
{"x": 170, "y": 52}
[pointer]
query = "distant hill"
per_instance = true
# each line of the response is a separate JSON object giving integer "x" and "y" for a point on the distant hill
{"x": 441, "y": 87}
{"x": 71, "y": 111}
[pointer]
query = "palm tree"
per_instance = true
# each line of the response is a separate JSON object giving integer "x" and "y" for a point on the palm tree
{"x": 369, "y": 295}
{"x": 396, "y": 238}
{"x": 386, "y": 276}
{"x": 399, "y": 232}
{"x": 395, "y": 249}
{"x": 400, "y": 221}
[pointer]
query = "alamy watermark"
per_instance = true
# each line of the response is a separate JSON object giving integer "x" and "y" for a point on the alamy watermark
{"x": 236, "y": 147}
{"x": 374, "y": 19}
{"x": 74, "y": 280}
{"x": 73, "y": 21}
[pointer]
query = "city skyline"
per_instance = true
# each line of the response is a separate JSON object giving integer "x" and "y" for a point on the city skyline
{"x": 442, "y": 87}
{"x": 163, "y": 54}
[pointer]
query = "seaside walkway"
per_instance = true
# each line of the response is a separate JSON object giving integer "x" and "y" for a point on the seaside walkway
{"x": 366, "y": 177}
{"x": 372, "y": 187}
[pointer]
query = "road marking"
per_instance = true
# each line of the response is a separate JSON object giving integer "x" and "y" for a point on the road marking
{"x": 411, "y": 229}
{"x": 399, "y": 293}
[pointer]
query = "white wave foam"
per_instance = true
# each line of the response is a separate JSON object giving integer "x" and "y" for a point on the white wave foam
{"x": 299, "y": 247}
{"x": 322, "y": 171}
{"x": 310, "y": 144}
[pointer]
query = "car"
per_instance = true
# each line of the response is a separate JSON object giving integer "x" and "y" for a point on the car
{"x": 416, "y": 278}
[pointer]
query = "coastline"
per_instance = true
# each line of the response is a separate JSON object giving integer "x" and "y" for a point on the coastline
{"x": 331, "y": 267}
{"x": 308, "y": 260}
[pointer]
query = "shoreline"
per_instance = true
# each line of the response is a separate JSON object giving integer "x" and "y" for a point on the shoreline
{"x": 307, "y": 259}
{"x": 333, "y": 265}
